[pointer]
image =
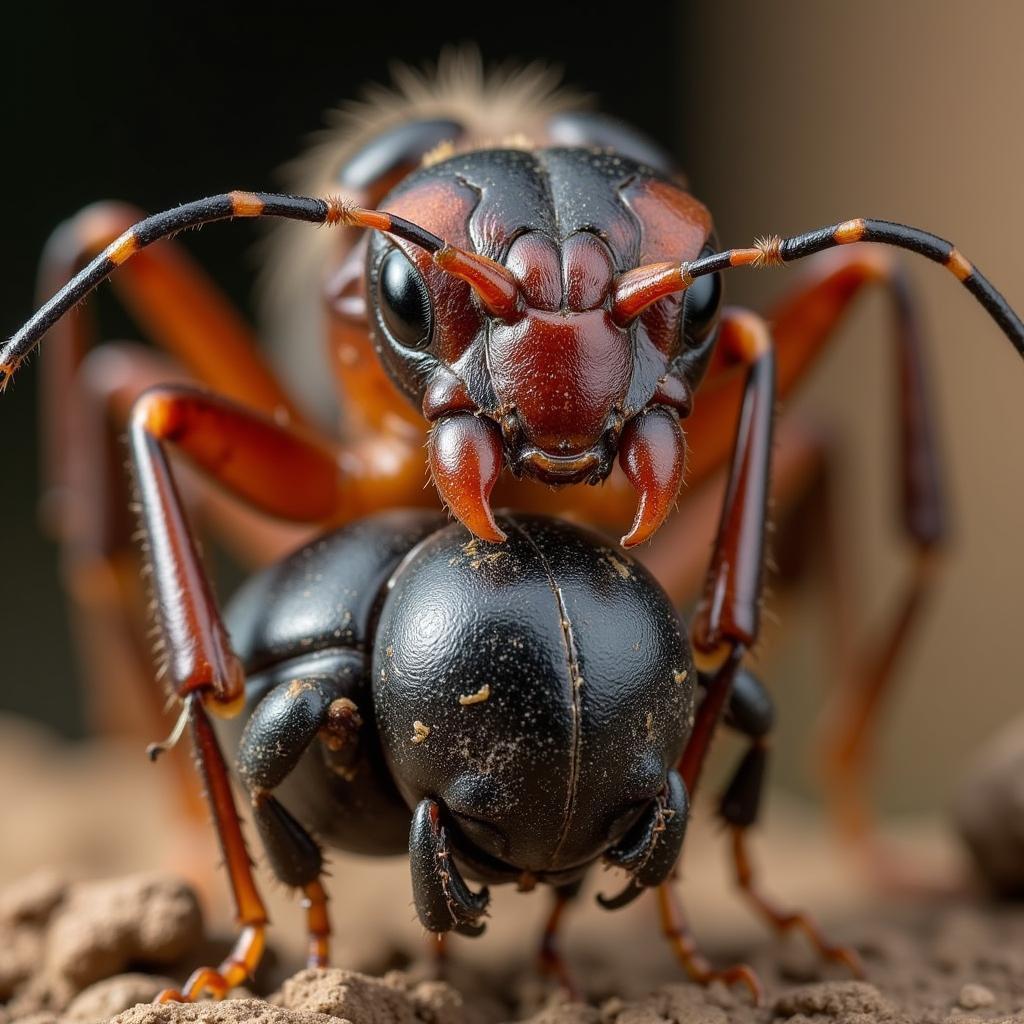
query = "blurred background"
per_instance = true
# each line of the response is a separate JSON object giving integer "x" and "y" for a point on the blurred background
{"x": 786, "y": 116}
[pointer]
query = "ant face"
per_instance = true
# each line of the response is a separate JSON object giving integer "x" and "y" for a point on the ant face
{"x": 510, "y": 340}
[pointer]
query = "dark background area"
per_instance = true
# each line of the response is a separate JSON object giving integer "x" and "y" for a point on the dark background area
{"x": 157, "y": 105}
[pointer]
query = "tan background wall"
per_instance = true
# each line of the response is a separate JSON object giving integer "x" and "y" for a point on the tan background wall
{"x": 798, "y": 114}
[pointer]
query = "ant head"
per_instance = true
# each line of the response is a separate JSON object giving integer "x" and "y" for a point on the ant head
{"x": 515, "y": 338}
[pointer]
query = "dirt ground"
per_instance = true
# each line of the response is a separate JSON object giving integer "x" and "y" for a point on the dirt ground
{"x": 96, "y": 915}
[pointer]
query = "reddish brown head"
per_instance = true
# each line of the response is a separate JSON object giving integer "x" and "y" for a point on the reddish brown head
{"x": 561, "y": 369}
{"x": 514, "y": 337}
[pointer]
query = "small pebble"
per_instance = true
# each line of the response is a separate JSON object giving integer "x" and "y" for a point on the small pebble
{"x": 973, "y": 996}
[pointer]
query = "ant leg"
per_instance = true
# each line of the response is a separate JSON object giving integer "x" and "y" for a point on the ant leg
{"x": 86, "y": 394}
{"x": 550, "y": 959}
{"x": 439, "y": 952}
{"x": 728, "y": 618}
{"x": 98, "y": 558}
{"x": 751, "y": 712}
{"x": 101, "y": 565}
{"x": 673, "y": 927}
{"x": 277, "y": 470}
{"x": 783, "y": 921}
{"x": 181, "y": 309}
{"x": 251, "y": 913}
{"x": 727, "y": 621}
{"x": 297, "y": 860}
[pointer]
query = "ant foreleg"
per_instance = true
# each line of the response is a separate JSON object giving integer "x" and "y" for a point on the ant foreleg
{"x": 728, "y": 618}
{"x": 727, "y": 622}
{"x": 244, "y": 958}
{"x": 278, "y": 470}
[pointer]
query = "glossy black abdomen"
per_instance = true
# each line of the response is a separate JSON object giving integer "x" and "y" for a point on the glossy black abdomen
{"x": 543, "y": 685}
{"x": 311, "y": 617}
{"x": 324, "y": 595}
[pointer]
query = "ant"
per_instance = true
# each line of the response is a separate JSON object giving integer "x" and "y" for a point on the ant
{"x": 543, "y": 304}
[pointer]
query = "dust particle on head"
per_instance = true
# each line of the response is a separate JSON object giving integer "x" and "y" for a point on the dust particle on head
{"x": 419, "y": 732}
{"x": 476, "y": 698}
{"x": 680, "y": 677}
{"x": 649, "y": 722}
{"x": 298, "y": 686}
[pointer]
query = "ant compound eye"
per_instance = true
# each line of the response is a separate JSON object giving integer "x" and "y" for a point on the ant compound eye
{"x": 702, "y": 303}
{"x": 404, "y": 301}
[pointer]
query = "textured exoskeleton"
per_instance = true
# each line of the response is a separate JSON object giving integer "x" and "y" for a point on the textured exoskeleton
{"x": 514, "y": 712}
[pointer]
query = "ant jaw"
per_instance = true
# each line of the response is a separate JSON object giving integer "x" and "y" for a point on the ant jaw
{"x": 653, "y": 456}
{"x": 466, "y": 455}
